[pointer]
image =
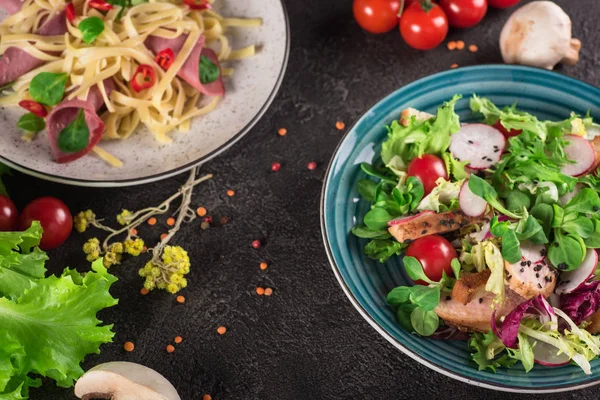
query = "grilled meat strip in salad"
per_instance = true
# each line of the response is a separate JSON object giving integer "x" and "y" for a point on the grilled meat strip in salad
{"x": 498, "y": 223}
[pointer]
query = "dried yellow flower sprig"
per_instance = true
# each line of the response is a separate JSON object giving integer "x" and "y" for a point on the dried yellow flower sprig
{"x": 169, "y": 264}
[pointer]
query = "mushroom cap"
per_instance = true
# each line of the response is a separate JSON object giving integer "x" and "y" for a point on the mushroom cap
{"x": 537, "y": 34}
{"x": 125, "y": 381}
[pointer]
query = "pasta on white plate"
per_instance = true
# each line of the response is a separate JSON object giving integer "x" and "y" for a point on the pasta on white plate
{"x": 91, "y": 70}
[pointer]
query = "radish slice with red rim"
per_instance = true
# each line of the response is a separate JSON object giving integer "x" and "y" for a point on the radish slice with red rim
{"x": 471, "y": 204}
{"x": 479, "y": 144}
{"x": 581, "y": 151}
{"x": 547, "y": 355}
{"x": 572, "y": 280}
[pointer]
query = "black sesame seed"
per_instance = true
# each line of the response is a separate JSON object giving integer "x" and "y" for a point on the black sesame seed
{"x": 540, "y": 285}
{"x": 522, "y": 270}
{"x": 543, "y": 252}
{"x": 470, "y": 142}
{"x": 497, "y": 150}
{"x": 523, "y": 263}
{"x": 528, "y": 263}
{"x": 537, "y": 275}
{"x": 537, "y": 268}
{"x": 480, "y": 300}
{"x": 595, "y": 208}
{"x": 548, "y": 278}
{"x": 493, "y": 167}
{"x": 448, "y": 298}
{"x": 489, "y": 159}
{"x": 451, "y": 221}
{"x": 484, "y": 157}
{"x": 563, "y": 266}
{"x": 424, "y": 232}
{"x": 508, "y": 277}
{"x": 535, "y": 181}
{"x": 408, "y": 241}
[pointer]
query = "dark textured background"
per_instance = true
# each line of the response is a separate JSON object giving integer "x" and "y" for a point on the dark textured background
{"x": 306, "y": 341}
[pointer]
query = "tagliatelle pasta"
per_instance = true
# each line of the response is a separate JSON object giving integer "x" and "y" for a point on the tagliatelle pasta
{"x": 132, "y": 40}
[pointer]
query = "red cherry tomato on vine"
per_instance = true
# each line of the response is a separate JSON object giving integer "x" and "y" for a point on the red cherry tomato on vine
{"x": 376, "y": 16}
{"x": 55, "y": 218}
{"x": 9, "y": 215}
{"x": 507, "y": 133}
{"x": 502, "y": 3}
{"x": 464, "y": 13}
{"x": 428, "y": 169}
{"x": 423, "y": 27}
{"x": 435, "y": 255}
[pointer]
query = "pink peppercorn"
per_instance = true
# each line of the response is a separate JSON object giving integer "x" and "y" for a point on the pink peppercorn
{"x": 208, "y": 219}
{"x": 312, "y": 165}
{"x": 275, "y": 167}
{"x": 256, "y": 244}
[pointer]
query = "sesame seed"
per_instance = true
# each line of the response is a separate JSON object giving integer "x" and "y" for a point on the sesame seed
{"x": 540, "y": 285}
{"x": 470, "y": 141}
{"x": 522, "y": 270}
{"x": 537, "y": 275}
{"x": 480, "y": 300}
{"x": 523, "y": 263}
{"x": 448, "y": 298}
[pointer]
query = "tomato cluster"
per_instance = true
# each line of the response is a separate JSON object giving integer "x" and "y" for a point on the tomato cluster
{"x": 423, "y": 24}
{"x": 53, "y": 214}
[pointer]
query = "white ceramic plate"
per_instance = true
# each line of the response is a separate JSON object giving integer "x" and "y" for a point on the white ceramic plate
{"x": 250, "y": 91}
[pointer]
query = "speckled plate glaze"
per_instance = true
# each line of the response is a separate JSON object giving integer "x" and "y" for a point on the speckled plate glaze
{"x": 366, "y": 282}
{"x": 250, "y": 91}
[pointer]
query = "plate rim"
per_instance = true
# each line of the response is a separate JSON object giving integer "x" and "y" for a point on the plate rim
{"x": 176, "y": 171}
{"x": 354, "y": 301}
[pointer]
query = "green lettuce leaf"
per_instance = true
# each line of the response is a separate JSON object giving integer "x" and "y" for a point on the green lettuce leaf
{"x": 443, "y": 197}
{"x": 486, "y": 348}
{"x": 431, "y": 136}
{"x": 20, "y": 265}
{"x": 52, "y": 326}
{"x": 494, "y": 261}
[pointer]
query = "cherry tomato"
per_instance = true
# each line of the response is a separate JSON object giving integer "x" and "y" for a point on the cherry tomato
{"x": 376, "y": 16}
{"x": 464, "y": 13}
{"x": 435, "y": 255}
{"x": 507, "y": 133}
{"x": 55, "y": 218}
{"x": 428, "y": 169}
{"x": 9, "y": 215}
{"x": 502, "y": 3}
{"x": 423, "y": 30}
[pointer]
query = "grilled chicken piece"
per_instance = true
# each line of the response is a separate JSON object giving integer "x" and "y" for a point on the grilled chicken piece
{"x": 469, "y": 285}
{"x": 475, "y": 315}
{"x": 530, "y": 279}
{"x": 594, "y": 326}
{"x": 431, "y": 223}
{"x": 409, "y": 112}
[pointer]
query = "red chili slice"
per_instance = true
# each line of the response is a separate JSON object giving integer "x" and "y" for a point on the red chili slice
{"x": 100, "y": 5}
{"x": 70, "y": 12}
{"x": 34, "y": 107}
{"x": 198, "y": 4}
{"x": 165, "y": 58}
{"x": 143, "y": 78}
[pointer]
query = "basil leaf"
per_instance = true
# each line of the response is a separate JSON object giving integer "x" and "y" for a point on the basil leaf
{"x": 398, "y": 295}
{"x": 403, "y": 316}
{"x": 455, "y": 264}
{"x": 559, "y": 216}
{"x": 581, "y": 226}
{"x": 371, "y": 170}
{"x": 427, "y": 297}
{"x": 593, "y": 242}
{"x": 48, "y": 88}
{"x": 566, "y": 252}
{"x": 424, "y": 322}
{"x": 587, "y": 201}
{"x": 415, "y": 270}
{"x": 511, "y": 248}
{"x": 209, "y": 71}
{"x": 377, "y": 219}
{"x": 545, "y": 214}
{"x": 481, "y": 188}
{"x": 364, "y": 232}
{"x": 517, "y": 201}
{"x": 530, "y": 229}
{"x": 31, "y": 123}
{"x": 75, "y": 136}
{"x": 91, "y": 28}
{"x": 382, "y": 249}
{"x": 366, "y": 188}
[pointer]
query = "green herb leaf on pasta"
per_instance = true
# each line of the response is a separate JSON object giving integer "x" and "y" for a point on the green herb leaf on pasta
{"x": 91, "y": 28}
{"x": 209, "y": 71}
{"x": 75, "y": 136}
{"x": 31, "y": 123}
{"x": 48, "y": 88}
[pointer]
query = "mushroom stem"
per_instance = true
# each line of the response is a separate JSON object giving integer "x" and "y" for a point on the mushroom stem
{"x": 572, "y": 55}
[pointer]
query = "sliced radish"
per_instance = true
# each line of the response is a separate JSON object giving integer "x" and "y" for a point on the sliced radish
{"x": 535, "y": 253}
{"x": 471, "y": 204}
{"x": 581, "y": 151}
{"x": 571, "y": 280}
{"x": 403, "y": 220}
{"x": 547, "y": 355}
{"x": 479, "y": 144}
{"x": 569, "y": 195}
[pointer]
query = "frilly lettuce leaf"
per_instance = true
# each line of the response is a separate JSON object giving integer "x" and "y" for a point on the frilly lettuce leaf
{"x": 52, "y": 326}
{"x": 443, "y": 197}
{"x": 421, "y": 137}
{"x": 494, "y": 261}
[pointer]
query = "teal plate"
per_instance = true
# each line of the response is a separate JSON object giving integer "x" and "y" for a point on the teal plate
{"x": 366, "y": 282}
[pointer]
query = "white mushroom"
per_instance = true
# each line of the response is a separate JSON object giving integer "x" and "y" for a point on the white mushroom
{"x": 539, "y": 34}
{"x": 124, "y": 381}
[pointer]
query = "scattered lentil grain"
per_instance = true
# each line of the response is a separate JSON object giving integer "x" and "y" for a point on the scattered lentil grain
{"x": 180, "y": 299}
{"x": 256, "y": 244}
{"x": 207, "y": 397}
{"x": 144, "y": 291}
{"x": 455, "y": 65}
{"x": 230, "y": 193}
{"x": 473, "y": 48}
{"x": 268, "y": 291}
{"x": 264, "y": 265}
{"x": 171, "y": 221}
{"x": 170, "y": 348}
{"x": 129, "y": 346}
{"x": 460, "y": 45}
{"x": 340, "y": 125}
{"x": 178, "y": 339}
{"x": 451, "y": 45}
{"x": 312, "y": 165}
{"x": 282, "y": 132}
{"x": 163, "y": 236}
{"x": 201, "y": 211}
{"x": 260, "y": 291}
{"x": 224, "y": 220}
{"x": 221, "y": 330}
{"x": 152, "y": 221}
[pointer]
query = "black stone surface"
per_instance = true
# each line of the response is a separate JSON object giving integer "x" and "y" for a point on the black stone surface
{"x": 306, "y": 341}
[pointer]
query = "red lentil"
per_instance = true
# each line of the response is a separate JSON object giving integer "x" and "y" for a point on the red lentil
{"x": 170, "y": 348}
{"x": 180, "y": 299}
{"x": 230, "y": 193}
{"x": 144, "y": 291}
{"x": 152, "y": 221}
{"x": 129, "y": 346}
{"x": 178, "y": 339}
{"x": 312, "y": 165}
{"x": 264, "y": 265}
{"x": 171, "y": 221}
{"x": 201, "y": 211}
{"x": 473, "y": 48}
{"x": 221, "y": 330}
{"x": 340, "y": 125}
{"x": 268, "y": 291}
{"x": 282, "y": 132}
{"x": 260, "y": 291}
